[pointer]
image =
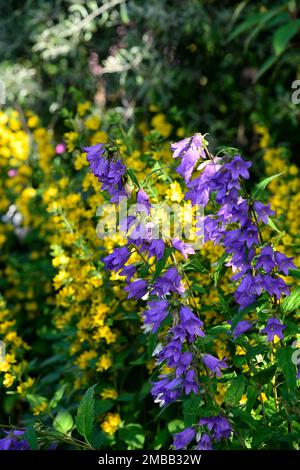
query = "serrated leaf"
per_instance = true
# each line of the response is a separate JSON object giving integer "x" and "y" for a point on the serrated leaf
{"x": 292, "y": 302}
{"x": 235, "y": 391}
{"x": 295, "y": 273}
{"x": 133, "y": 435}
{"x": 261, "y": 186}
{"x": 63, "y": 422}
{"x": 284, "y": 34}
{"x": 86, "y": 414}
{"x": 286, "y": 365}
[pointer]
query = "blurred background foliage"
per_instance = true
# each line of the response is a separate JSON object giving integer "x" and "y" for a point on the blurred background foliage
{"x": 224, "y": 65}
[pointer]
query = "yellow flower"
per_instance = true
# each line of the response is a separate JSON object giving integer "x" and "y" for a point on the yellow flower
{"x": 111, "y": 423}
{"x": 174, "y": 192}
{"x": 82, "y": 108}
{"x": 92, "y": 123}
{"x": 160, "y": 124}
{"x": 33, "y": 121}
{"x": 109, "y": 393}
{"x": 103, "y": 363}
{"x": 8, "y": 380}
{"x": 40, "y": 408}
{"x": 70, "y": 139}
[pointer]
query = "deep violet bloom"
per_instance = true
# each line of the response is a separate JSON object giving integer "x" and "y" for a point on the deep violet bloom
{"x": 284, "y": 263}
{"x": 116, "y": 260}
{"x": 183, "y": 438}
{"x": 204, "y": 443}
{"x": 241, "y": 327}
{"x": 157, "y": 248}
{"x": 214, "y": 364}
{"x": 13, "y": 441}
{"x": 273, "y": 327}
{"x": 170, "y": 281}
{"x": 165, "y": 390}
{"x": 157, "y": 311}
{"x": 191, "y": 323}
{"x": 190, "y": 382}
{"x": 218, "y": 425}
{"x": 263, "y": 211}
{"x": 238, "y": 167}
{"x": 142, "y": 200}
{"x": 266, "y": 259}
{"x": 189, "y": 150}
{"x": 136, "y": 289}
{"x": 182, "y": 247}
{"x": 99, "y": 165}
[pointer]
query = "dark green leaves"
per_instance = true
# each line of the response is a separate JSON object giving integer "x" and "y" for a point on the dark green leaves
{"x": 292, "y": 302}
{"x": 235, "y": 391}
{"x": 86, "y": 414}
{"x": 261, "y": 186}
{"x": 285, "y": 363}
{"x": 133, "y": 435}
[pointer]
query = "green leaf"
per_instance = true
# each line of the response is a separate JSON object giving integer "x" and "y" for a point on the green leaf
{"x": 295, "y": 273}
{"x": 35, "y": 400}
{"x": 176, "y": 425}
{"x": 263, "y": 377}
{"x": 245, "y": 25}
{"x": 190, "y": 410}
{"x": 273, "y": 226}
{"x": 284, "y": 34}
{"x": 235, "y": 391}
{"x": 219, "y": 267}
{"x": 160, "y": 439}
{"x": 133, "y": 435}
{"x": 261, "y": 186}
{"x": 133, "y": 177}
{"x": 252, "y": 393}
{"x": 63, "y": 422}
{"x": 31, "y": 437}
{"x": 265, "y": 66}
{"x": 292, "y": 302}
{"x": 85, "y": 414}
{"x": 195, "y": 265}
{"x": 286, "y": 365}
{"x": 101, "y": 406}
{"x": 57, "y": 396}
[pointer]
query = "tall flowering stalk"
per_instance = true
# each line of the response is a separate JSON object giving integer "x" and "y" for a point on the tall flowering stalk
{"x": 232, "y": 219}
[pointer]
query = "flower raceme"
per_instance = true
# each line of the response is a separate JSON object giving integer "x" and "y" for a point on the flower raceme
{"x": 234, "y": 224}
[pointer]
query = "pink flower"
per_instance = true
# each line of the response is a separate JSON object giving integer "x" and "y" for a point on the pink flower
{"x": 60, "y": 148}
